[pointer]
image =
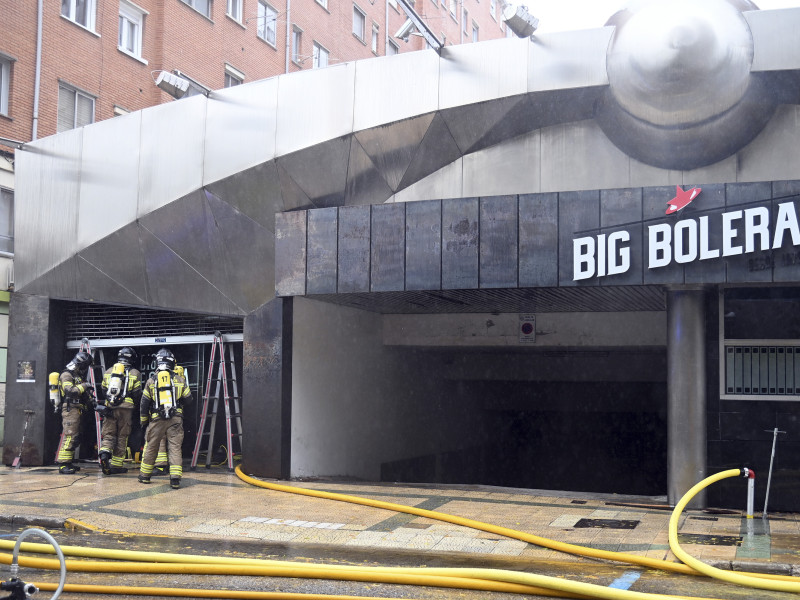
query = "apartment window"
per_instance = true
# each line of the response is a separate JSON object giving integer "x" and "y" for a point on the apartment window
{"x": 474, "y": 32}
{"x": 5, "y": 84}
{"x": 320, "y": 57}
{"x": 464, "y": 17}
{"x": 359, "y": 22}
{"x": 493, "y": 9}
{"x": 201, "y": 6}
{"x": 131, "y": 24}
{"x": 6, "y": 221}
{"x": 75, "y": 109}
{"x": 79, "y": 11}
{"x": 235, "y": 10}
{"x": 453, "y": 7}
{"x": 393, "y": 4}
{"x": 375, "y": 37}
{"x": 233, "y": 76}
{"x": 119, "y": 111}
{"x": 267, "y": 23}
{"x": 297, "y": 40}
{"x": 392, "y": 49}
{"x": 323, "y": 4}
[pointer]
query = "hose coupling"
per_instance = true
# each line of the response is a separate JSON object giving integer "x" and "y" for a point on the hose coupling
{"x": 748, "y": 473}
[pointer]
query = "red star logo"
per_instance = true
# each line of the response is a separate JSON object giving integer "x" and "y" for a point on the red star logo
{"x": 682, "y": 199}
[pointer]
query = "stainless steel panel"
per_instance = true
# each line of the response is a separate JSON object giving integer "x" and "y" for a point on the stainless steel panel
{"x": 438, "y": 148}
{"x": 508, "y": 168}
{"x": 569, "y": 59}
{"x": 487, "y": 71}
{"x": 423, "y": 245}
{"x": 93, "y": 283}
{"x": 171, "y": 164}
{"x": 240, "y": 128}
{"x": 578, "y": 213}
{"x": 394, "y": 88}
{"x": 460, "y": 243}
{"x": 293, "y": 196}
{"x": 538, "y": 240}
{"x": 173, "y": 284}
{"x": 109, "y": 190}
{"x": 773, "y": 154}
{"x": 499, "y": 227}
{"x": 320, "y": 171}
{"x": 255, "y": 192}
{"x": 354, "y": 249}
{"x": 445, "y": 183}
{"x": 776, "y": 44}
{"x": 314, "y": 106}
{"x": 578, "y": 156}
{"x": 392, "y": 147}
{"x": 365, "y": 184}
{"x": 118, "y": 257}
{"x": 290, "y": 253}
{"x": 387, "y": 248}
{"x": 321, "y": 271}
{"x": 60, "y": 282}
{"x": 470, "y": 124}
{"x": 46, "y": 205}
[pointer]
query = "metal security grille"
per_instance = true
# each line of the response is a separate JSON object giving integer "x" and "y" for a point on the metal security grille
{"x": 762, "y": 370}
{"x": 102, "y": 321}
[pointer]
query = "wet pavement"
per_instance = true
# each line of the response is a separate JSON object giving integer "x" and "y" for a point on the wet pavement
{"x": 214, "y": 506}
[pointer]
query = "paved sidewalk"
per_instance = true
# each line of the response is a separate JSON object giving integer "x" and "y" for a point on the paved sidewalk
{"x": 216, "y": 504}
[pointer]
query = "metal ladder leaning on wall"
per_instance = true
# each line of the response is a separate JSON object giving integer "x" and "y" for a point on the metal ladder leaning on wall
{"x": 225, "y": 373}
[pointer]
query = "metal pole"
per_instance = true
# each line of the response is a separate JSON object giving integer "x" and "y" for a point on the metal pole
{"x": 771, "y": 460}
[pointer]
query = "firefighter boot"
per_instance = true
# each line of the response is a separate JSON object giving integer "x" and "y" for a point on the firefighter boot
{"x": 68, "y": 469}
{"x": 144, "y": 478}
{"x": 117, "y": 470}
{"x": 174, "y": 482}
{"x": 105, "y": 461}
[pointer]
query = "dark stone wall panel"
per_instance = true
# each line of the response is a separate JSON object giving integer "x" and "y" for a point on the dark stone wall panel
{"x": 498, "y": 242}
{"x": 321, "y": 248}
{"x": 621, "y": 209}
{"x": 387, "y": 248}
{"x": 424, "y": 245}
{"x": 538, "y": 240}
{"x": 354, "y": 248}
{"x": 460, "y": 237}
{"x": 290, "y": 253}
{"x": 578, "y": 215}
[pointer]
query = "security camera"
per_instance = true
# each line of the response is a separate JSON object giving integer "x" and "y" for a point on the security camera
{"x": 405, "y": 30}
{"x": 519, "y": 20}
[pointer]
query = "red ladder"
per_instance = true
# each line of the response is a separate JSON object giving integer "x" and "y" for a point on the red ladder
{"x": 225, "y": 372}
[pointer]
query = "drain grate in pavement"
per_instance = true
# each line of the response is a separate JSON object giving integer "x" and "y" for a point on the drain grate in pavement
{"x": 578, "y": 502}
{"x": 709, "y": 540}
{"x": 606, "y": 523}
{"x": 704, "y": 518}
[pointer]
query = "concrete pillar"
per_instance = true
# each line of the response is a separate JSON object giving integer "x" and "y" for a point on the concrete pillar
{"x": 36, "y": 337}
{"x": 686, "y": 396}
{"x": 267, "y": 390}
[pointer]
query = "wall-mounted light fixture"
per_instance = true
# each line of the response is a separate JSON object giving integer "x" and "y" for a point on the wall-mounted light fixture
{"x": 174, "y": 85}
{"x": 519, "y": 20}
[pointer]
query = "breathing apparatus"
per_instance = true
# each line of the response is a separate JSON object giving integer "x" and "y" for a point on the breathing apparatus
{"x": 55, "y": 393}
{"x": 166, "y": 399}
{"x": 117, "y": 385}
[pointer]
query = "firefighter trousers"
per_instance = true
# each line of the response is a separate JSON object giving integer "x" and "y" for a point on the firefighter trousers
{"x": 71, "y": 433}
{"x": 158, "y": 429}
{"x": 115, "y": 432}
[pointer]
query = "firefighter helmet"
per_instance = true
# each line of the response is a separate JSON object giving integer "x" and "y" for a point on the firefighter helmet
{"x": 126, "y": 356}
{"x": 81, "y": 363}
{"x": 165, "y": 360}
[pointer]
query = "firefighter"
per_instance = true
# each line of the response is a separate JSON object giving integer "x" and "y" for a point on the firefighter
{"x": 76, "y": 394}
{"x": 162, "y": 458}
{"x": 161, "y": 410}
{"x": 122, "y": 389}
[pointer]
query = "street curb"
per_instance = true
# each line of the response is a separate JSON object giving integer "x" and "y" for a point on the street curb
{"x": 33, "y": 521}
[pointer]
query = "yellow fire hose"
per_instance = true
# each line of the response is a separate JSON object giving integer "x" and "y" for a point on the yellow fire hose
{"x": 477, "y": 579}
{"x": 787, "y": 584}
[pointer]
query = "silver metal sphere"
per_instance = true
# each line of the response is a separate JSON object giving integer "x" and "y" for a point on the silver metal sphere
{"x": 681, "y": 94}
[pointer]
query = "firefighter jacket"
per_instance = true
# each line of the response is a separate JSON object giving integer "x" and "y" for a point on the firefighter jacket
{"x": 76, "y": 391}
{"x": 130, "y": 391}
{"x": 155, "y": 398}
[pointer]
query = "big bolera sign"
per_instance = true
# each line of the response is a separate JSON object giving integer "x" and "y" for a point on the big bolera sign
{"x": 743, "y": 231}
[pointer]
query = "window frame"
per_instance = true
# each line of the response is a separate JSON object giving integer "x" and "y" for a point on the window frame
{"x": 8, "y": 193}
{"x": 191, "y": 4}
{"x": 297, "y": 44}
{"x": 236, "y": 5}
{"x": 5, "y": 84}
{"x": 493, "y": 9}
{"x": 233, "y": 74}
{"x": 77, "y": 94}
{"x": 91, "y": 13}
{"x": 135, "y": 15}
{"x": 376, "y": 36}
{"x": 475, "y": 31}
{"x": 317, "y": 51}
{"x": 264, "y": 23}
{"x": 357, "y": 11}
{"x": 394, "y": 47}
